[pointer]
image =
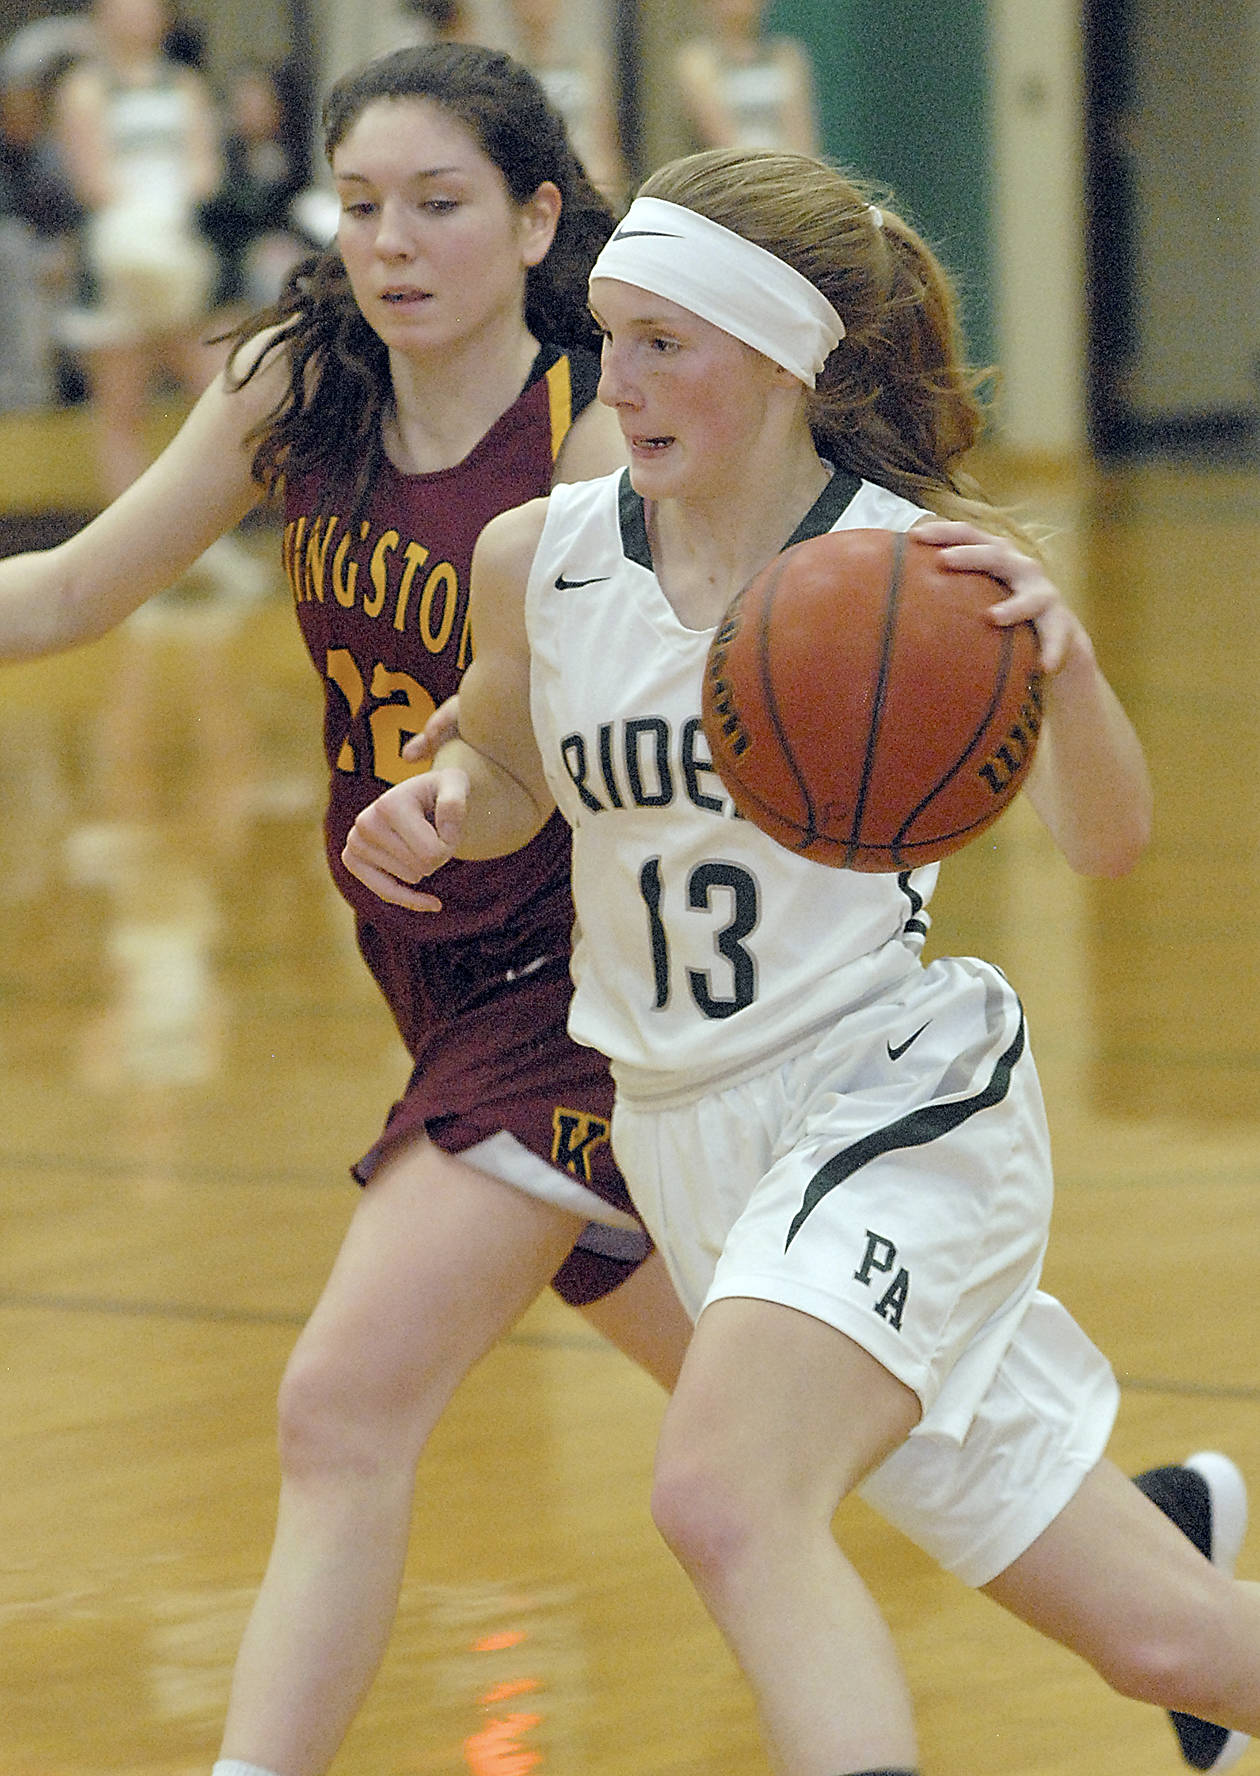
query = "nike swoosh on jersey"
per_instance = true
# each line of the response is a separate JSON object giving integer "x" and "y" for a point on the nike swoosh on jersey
{"x": 635, "y": 233}
{"x": 563, "y": 585}
{"x": 895, "y": 1054}
{"x": 515, "y": 974}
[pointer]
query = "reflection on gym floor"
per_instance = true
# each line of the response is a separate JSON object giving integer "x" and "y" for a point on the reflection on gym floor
{"x": 191, "y": 1054}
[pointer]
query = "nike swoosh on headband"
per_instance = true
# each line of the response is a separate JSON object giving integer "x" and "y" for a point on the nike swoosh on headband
{"x": 725, "y": 279}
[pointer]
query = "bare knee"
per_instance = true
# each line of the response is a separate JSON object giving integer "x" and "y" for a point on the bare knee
{"x": 725, "y": 1522}
{"x": 335, "y": 1422}
{"x": 1148, "y": 1668}
{"x": 701, "y": 1517}
{"x": 1179, "y": 1663}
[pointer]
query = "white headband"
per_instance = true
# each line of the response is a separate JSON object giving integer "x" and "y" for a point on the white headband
{"x": 717, "y": 274}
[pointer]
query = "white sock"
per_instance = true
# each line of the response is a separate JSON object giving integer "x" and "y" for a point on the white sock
{"x": 234, "y": 1767}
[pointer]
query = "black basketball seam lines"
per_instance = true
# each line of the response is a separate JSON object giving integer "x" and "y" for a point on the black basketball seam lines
{"x": 892, "y": 598}
{"x": 807, "y": 835}
{"x": 1007, "y": 647}
{"x": 810, "y": 830}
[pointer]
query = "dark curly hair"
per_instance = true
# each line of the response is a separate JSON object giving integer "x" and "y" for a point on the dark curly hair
{"x": 338, "y": 368}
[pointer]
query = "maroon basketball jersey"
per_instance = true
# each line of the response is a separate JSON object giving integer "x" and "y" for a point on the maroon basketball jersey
{"x": 382, "y": 601}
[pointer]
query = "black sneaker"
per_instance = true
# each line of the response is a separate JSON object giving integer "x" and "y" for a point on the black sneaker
{"x": 1206, "y": 1497}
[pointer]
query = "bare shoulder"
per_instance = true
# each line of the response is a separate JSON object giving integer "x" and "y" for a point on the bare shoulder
{"x": 261, "y": 360}
{"x": 593, "y": 447}
{"x": 202, "y": 483}
{"x": 500, "y": 573}
{"x": 506, "y": 547}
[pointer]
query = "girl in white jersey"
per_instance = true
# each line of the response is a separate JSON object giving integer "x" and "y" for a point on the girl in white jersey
{"x": 841, "y": 1153}
{"x": 743, "y": 88}
{"x": 140, "y": 140}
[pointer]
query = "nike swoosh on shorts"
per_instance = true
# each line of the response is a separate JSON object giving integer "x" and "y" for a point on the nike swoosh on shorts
{"x": 895, "y": 1054}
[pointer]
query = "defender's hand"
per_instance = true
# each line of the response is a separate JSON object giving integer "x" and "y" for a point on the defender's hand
{"x": 407, "y": 833}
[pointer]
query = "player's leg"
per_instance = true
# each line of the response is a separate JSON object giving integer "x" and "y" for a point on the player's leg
{"x": 1113, "y": 1579}
{"x": 1206, "y": 1497}
{"x": 439, "y": 1261}
{"x": 644, "y": 1318}
{"x": 775, "y": 1418}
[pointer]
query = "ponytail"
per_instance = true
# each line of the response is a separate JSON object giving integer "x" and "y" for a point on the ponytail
{"x": 896, "y": 401}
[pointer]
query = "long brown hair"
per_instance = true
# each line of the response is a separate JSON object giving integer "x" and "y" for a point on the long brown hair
{"x": 338, "y": 369}
{"x": 896, "y": 401}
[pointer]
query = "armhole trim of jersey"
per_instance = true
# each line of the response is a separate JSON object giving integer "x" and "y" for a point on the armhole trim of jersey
{"x": 826, "y": 510}
{"x": 560, "y": 402}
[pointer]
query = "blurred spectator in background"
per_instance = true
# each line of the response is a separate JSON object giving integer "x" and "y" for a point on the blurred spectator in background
{"x": 743, "y": 89}
{"x": 443, "y": 21}
{"x": 249, "y": 219}
{"x": 39, "y": 216}
{"x": 579, "y": 84}
{"x": 139, "y": 136}
{"x": 184, "y": 41}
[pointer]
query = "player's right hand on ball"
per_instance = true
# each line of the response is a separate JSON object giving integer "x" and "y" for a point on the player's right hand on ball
{"x": 406, "y": 834}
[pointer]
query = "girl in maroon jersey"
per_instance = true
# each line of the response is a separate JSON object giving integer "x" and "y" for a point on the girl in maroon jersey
{"x": 433, "y": 369}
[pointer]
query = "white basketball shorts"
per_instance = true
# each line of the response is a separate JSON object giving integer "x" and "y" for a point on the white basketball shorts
{"x": 894, "y": 1182}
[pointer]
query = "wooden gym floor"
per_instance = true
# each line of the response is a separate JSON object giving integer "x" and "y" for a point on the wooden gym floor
{"x": 190, "y": 1055}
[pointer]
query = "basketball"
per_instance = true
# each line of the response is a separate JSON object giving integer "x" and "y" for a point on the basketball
{"x": 862, "y": 709}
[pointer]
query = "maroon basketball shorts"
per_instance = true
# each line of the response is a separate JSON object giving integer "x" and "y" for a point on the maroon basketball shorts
{"x": 499, "y": 1082}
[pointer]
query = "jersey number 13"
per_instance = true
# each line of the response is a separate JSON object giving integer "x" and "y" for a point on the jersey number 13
{"x": 708, "y": 883}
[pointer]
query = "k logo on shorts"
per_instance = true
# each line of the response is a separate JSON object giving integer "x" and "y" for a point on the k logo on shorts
{"x": 575, "y": 1133}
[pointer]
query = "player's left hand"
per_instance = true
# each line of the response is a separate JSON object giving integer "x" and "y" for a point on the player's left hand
{"x": 405, "y": 834}
{"x": 1033, "y": 597}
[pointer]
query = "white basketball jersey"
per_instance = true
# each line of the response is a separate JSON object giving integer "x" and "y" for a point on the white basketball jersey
{"x": 702, "y": 947}
{"x": 150, "y": 133}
